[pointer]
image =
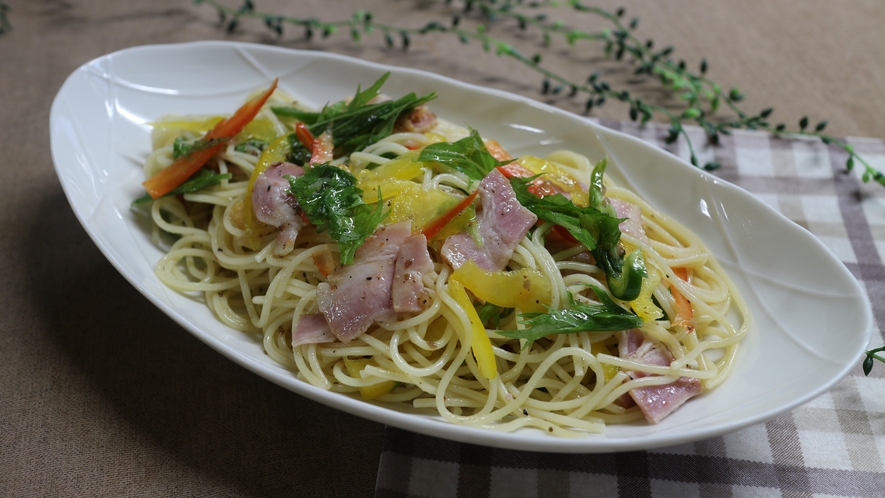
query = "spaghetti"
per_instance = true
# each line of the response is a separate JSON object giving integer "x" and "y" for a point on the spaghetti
{"x": 689, "y": 317}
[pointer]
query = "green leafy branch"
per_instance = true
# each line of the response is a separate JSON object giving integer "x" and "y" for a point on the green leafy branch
{"x": 5, "y": 25}
{"x": 870, "y": 356}
{"x": 702, "y": 96}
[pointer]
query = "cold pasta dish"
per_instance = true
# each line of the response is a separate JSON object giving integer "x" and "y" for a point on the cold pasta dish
{"x": 376, "y": 249}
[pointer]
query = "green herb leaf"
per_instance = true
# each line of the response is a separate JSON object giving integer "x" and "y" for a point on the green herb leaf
{"x": 356, "y": 124}
{"x": 330, "y": 198}
{"x": 183, "y": 147}
{"x": 468, "y": 156}
{"x": 251, "y": 145}
{"x": 581, "y": 317}
{"x": 588, "y": 225}
{"x": 594, "y": 226}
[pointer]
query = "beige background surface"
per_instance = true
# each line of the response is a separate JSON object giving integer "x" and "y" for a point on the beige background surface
{"x": 101, "y": 394}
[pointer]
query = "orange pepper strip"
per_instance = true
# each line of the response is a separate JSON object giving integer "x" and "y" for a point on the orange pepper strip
{"x": 304, "y": 135}
{"x": 438, "y": 224}
{"x": 684, "y": 312}
{"x": 183, "y": 167}
{"x": 321, "y": 149}
{"x": 497, "y": 151}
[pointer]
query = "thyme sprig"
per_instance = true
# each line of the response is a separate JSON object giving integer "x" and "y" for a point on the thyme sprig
{"x": 5, "y": 25}
{"x": 870, "y": 356}
{"x": 702, "y": 97}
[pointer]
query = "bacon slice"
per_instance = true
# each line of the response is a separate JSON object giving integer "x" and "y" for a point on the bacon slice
{"x": 359, "y": 294}
{"x": 276, "y": 206}
{"x": 412, "y": 262}
{"x": 312, "y": 329}
{"x": 418, "y": 120}
{"x": 655, "y": 402}
{"x": 502, "y": 224}
{"x": 633, "y": 224}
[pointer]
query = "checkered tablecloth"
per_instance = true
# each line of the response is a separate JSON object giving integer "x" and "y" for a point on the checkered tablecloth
{"x": 831, "y": 446}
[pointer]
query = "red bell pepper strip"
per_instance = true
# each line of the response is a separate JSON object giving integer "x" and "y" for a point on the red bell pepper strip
{"x": 185, "y": 166}
{"x": 438, "y": 224}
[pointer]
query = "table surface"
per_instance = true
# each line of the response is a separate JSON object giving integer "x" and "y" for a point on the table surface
{"x": 102, "y": 394}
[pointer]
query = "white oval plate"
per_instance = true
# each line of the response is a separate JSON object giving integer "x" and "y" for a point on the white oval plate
{"x": 813, "y": 319}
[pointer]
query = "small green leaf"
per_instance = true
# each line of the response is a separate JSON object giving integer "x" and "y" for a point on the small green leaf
{"x": 691, "y": 113}
{"x": 867, "y": 365}
{"x": 820, "y": 126}
{"x": 803, "y": 123}
{"x": 468, "y": 156}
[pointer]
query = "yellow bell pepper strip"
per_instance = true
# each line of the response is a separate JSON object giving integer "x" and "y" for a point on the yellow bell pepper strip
{"x": 608, "y": 370}
{"x": 392, "y": 177}
{"x": 183, "y": 167}
{"x": 409, "y": 201}
{"x": 431, "y": 230}
{"x": 274, "y": 153}
{"x": 480, "y": 343}
{"x": 261, "y": 129}
{"x": 643, "y": 305}
{"x": 354, "y": 367}
{"x": 526, "y": 289}
{"x": 191, "y": 125}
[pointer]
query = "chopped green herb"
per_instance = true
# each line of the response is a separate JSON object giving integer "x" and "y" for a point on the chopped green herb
{"x": 356, "y": 124}
{"x": 594, "y": 226}
{"x": 183, "y": 147}
{"x": 330, "y": 198}
{"x": 468, "y": 156}
{"x": 580, "y": 317}
{"x": 251, "y": 145}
